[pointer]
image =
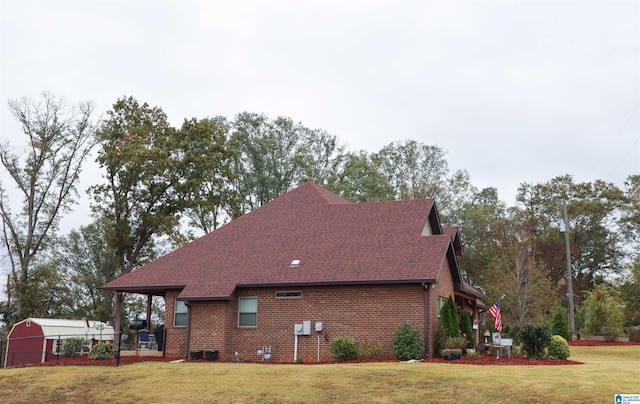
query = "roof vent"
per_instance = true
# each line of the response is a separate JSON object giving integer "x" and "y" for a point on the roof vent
{"x": 295, "y": 264}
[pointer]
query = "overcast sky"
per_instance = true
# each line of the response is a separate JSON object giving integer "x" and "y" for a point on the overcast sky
{"x": 513, "y": 91}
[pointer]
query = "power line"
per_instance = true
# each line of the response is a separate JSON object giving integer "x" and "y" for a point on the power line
{"x": 614, "y": 141}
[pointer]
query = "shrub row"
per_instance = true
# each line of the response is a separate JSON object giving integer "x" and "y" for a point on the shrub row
{"x": 408, "y": 344}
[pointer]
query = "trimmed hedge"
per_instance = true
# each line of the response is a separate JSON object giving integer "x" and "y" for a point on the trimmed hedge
{"x": 344, "y": 348}
{"x": 558, "y": 348}
{"x": 408, "y": 343}
{"x": 102, "y": 350}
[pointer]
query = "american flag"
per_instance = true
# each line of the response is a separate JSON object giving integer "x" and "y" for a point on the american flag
{"x": 497, "y": 316}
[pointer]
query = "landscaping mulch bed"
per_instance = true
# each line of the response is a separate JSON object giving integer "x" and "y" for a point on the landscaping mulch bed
{"x": 491, "y": 360}
{"x": 84, "y": 361}
{"x": 487, "y": 360}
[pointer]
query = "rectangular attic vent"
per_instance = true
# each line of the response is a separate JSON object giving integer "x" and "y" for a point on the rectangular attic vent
{"x": 295, "y": 264}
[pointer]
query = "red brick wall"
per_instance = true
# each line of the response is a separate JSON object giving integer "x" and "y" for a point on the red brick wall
{"x": 442, "y": 289}
{"x": 175, "y": 336}
{"x": 363, "y": 312}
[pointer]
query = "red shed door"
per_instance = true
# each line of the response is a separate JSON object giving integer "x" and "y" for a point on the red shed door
{"x": 25, "y": 344}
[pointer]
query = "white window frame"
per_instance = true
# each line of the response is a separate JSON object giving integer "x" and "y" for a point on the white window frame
{"x": 181, "y": 312}
{"x": 441, "y": 302}
{"x": 251, "y": 311}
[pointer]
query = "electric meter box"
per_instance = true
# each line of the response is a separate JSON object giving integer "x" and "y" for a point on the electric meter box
{"x": 306, "y": 327}
{"x": 297, "y": 329}
{"x": 319, "y": 327}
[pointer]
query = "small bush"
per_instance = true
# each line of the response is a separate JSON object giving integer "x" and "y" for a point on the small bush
{"x": 370, "y": 350}
{"x": 473, "y": 355}
{"x": 344, "y": 348}
{"x": 451, "y": 353}
{"x": 558, "y": 348}
{"x": 456, "y": 343}
{"x": 72, "y": 346}
{"x": 634, "y": 333}
{"x": 101, "y": 351}
{"x": 610, "y": 332}
{"x": 408, "y": 343}
{"x": 534, "y": 339}
{"x": 440, "y": 340}
{"x": 299, "y": 359}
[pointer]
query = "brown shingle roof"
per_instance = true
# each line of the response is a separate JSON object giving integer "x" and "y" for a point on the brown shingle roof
{"x": 336, "y": 241}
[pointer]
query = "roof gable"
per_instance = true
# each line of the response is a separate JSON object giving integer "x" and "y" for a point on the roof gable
{"x": 336, "y": 242}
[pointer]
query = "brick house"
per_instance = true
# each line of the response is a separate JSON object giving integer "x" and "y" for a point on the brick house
{"x": 308, "y": 257}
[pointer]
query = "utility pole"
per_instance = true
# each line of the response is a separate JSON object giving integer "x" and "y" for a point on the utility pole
{"x": 569, "y": 274}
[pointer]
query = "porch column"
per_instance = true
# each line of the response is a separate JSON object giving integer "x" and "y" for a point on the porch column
{"x": 149, "y": 297}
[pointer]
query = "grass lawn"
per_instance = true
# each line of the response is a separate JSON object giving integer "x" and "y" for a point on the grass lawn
{"x": 606, "y": 371}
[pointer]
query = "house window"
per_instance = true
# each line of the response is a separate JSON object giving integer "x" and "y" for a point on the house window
{"x": 288, "y": 295}
{"x": 441, "y": 302}
{"x": 180, "y": 314}
{"x": 247, "y": 311}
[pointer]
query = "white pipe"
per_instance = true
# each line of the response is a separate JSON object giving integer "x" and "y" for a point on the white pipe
{"x": 318, "y": 347}
{"x": 295, "y": 349}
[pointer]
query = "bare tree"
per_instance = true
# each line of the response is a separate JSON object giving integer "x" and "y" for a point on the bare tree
{"x": 45, "y": 173}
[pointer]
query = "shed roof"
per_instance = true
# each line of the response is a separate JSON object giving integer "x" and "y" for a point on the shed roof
{"x": 53, "y": 327}
{"x": 335, "y": 241}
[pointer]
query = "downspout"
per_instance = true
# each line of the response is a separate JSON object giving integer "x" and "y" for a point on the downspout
{"x": 188, "y": 337}
{"x": 425, "y": 286}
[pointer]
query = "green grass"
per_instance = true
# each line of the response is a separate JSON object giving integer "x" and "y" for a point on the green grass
{"x": 606, "y": 372}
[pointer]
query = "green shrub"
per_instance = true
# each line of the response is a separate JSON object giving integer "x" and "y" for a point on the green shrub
{"x": 534, "y": 339}
{"x": 449, "y": 318}
{"x": 473, "y": 355}
{"x": 440, "y": 340}
{"x": 466, "y": 330}
{"x": 370, "y": 350}
{"x": 344, "y": 348}
{"x": 602, "y": 310}
{"x": 610, "y": 332}
{"x": 102, "y": 350}
{"x": 634, "y": 333}
{"x": 456, "y": 343}
{"x": 558, "y": 348}
{"x": 407, "y": 342}
{"x": 72, "y": 346}
{"x": 451, "y": 353}
{"x": 559, "y": 324}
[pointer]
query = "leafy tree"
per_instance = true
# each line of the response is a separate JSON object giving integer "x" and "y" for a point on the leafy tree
{"x": 212, "y": 200}
{"x": 482, "y": 222}
{"x": 593, "y": 208}
{"x": 630, "y": 294}
{"x": 268, "y": 162}
{"x": 151, "y": 172}
{"x": 630, "y": 210}
{"x": 86, "y": 260}
{"x": 45, "y": 173}
{"x": 416, "y": 170}
{"x": 360, "y": 179}
{"x": 602, "y": 311}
